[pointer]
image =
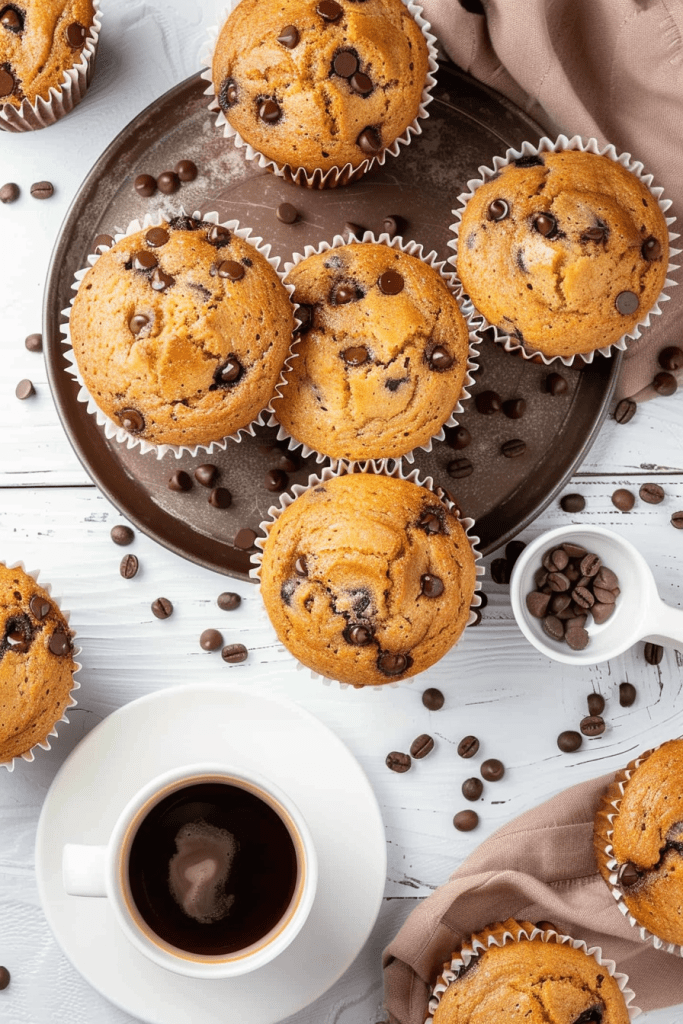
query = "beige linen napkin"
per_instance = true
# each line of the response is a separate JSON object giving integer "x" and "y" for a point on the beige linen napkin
{"x": 612, "y": 69}
{"x": 539, "y": 867}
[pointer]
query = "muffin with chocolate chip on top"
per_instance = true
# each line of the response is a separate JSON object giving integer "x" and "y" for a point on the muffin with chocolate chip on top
{"x": 367, "y": 579}
{"x": 180, "y": 332}
{"x": 564, "y": 251}
{"x": 319, "y": 84}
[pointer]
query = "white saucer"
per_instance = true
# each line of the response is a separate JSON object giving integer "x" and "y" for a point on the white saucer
{"x": 279, "y": 740}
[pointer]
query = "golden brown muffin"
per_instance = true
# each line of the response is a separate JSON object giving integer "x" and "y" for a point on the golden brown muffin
{"x": 180, "y": 332}
{"x": 647, "y": 839}
{"x": 531, "y": 982}
{"x": 565, "y": 251}
{"x": 383, "y": 354}
{"x": 36, "y": 663}
{"x": 320, "y": 83}
{"x": 368, "y": 579}
{"x": 39, "y": 41}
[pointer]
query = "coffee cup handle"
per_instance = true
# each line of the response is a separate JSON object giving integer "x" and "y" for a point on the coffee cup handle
{"x": 83, "y": 870}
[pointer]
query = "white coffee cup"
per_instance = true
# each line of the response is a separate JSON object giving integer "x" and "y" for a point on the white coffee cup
{"x": 102, "y": 871}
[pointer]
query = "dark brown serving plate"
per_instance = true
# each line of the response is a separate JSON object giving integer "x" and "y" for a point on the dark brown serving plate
{"x": 468, "y": 125}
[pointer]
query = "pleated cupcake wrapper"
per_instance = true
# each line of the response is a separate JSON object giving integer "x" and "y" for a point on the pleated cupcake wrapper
{"x": 30, "y": 116}
{"x": 29, "y": 755}
{"x": 546, "y": 145}
{"x": 609, "y": 809}
{"x": 453, "y": 285}
{"x": 335, "y": 176}
{"x": 115, "y": 430}
{"x": 498, "y": 935}
{"x": 377, "y": 467}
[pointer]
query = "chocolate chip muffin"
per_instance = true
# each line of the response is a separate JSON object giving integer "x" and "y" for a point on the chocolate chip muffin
{"x": 639, "y": 839}
{"x": 319, "y": 84}
{"x": 180, "y": 332}
{"x": 39, "y": 41}
{"x": 367, "y": 579}
{"x": 528, "y": 980}
{"x": 382, "y": 353}
{"x": 566, "y": 252}
{"x": 36, "y": 663}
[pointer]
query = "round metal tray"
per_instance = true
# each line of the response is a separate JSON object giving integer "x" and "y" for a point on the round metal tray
{"x": 468, "y": 125}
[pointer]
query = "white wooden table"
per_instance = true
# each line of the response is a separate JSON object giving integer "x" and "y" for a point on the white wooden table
{"x": 496, "y": 685}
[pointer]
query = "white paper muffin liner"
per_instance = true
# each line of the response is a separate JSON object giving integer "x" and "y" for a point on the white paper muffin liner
{"x": 115, "y": 430}
{"x": 29, "y": 755}
{"x": 30, "y": 116}
{"x": 480, "y": 942}
{"x": 612, "y": 863}
{"x": 546, "y": 145}
{"x": 335, "y": 176}
{"x": 378, "y": 467}
{"x": 454, "y": 287}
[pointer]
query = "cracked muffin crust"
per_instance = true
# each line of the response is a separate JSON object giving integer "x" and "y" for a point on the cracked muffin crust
{"x": 320, "y": 83}
{"x": 367, "y": 579}
{"x": 647, "y": 839}
{"x": 564, "y": 251}
{"x": 180, "y": 332}
{"x": 39, "y": 41}
{"x": 382, "y": 353}
{"x": 530, "y": 981}
{"x": 36, "y": 663}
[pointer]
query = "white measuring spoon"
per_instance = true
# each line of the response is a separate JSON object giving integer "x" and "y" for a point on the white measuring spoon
{"x": 640, "y": 613}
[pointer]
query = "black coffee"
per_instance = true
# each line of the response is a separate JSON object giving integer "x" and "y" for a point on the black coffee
{"x": 212, "y": 868}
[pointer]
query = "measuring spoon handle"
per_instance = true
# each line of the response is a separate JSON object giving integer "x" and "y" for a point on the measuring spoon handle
{"x": 665, "y": 626}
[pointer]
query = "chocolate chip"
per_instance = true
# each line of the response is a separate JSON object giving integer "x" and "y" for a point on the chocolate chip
{"x": 596, "y": 234}
{"x": 398, "y": 762}
{"x": 360, "y": 83}
{"x": 351, "y": 231}
{"x": 75, "y": 35}
{"x": 6, "y": 83}
{"x": 537, "y": 603}
{"x": 623, "y": 500}
{"x": 289, "y": 36}
{"x": 472, "y": 789}
{"x": 369, "y": 141}
{"x": 156, "y": 237}
{"x": 421, "y": 746}
{"x": 553, "y": 627}
{"x": 500, "y": 571}
{"x": 145, "y": 185}
{"x": 131, "y": 420}
{"x": 465, "y": 821}
{"x": 573, "y": 503}
{"x": 11, "y": 19}
{"x": 653, "y": 653}
{"x": 432, "y": 524}
{"x": 179, "y": 481}
{"x": 431, "y": 585}
{"x": 218, "y": 236}
{"x": 355, "y": 356}
{"x": 391, "y": 283}
{"x": 514, "y": 408}
{"x": 569, "y": 741}
{"x": 460, "y": 468}
{"x": 555, "y": 384}
{"x": 4, "y": 978}
{"x": 358, "y": 635}
{"x": 392, "y": 664}
{"x": 229, "y": 373}
{"x": 665, "y": 384}
{"x": 244, "y": 539}
{"x": 129, "y": 567}
{"x": 440, "y": 358}
{"x": 513, "y": 449}
{"x": 287, "y": 461}
{"x": 627, "y": 303}
{"x": 458, "y": 437}
{"x": 228, "y": 95}
{"x": 651, "y": 248}
{"x": 137, "y": 323}
{"x": 628, "y": 875}
{"x": 498, "y": 210}
{"x": 60, "y": 644}
{"x": 168, "y": 182}
{"x": 653, "y": 494}
{"x": 234, "y": 653}
{"x": 144, "y": 260}
{"x": 596, "y": 703}
{"x": 677, "y": 520}
{"x": 433, "y": 699}
{"x": 9, "y": 193}
{"x": 231, "y": 269}
{"x": 627, "y": 694}
{"x": 300, "y": 567}
{"x": 545, "y": 224}
{"x": 488, "y": 402}
{"x": 270, "y": 111}
{"x": 343, "y": 294}
{"x": 345, "y": 64}
{"x": 228, "y": 601}
{"x": 276, "y": 480}
{"x": 394, "y": 225}
{"x": 220, "y": 497}
{"x": 468, "y": 746}
{"x": 329, "y": 10}
{"x": 206, "y": 474}
{"x": 592, "y": 725}
{"x": 286, "y": 213}
{"x": 122, "y": 535}
{"x": 39, "y": 608}
{"x": 24, "y": 389}
{"x": 162, "y": 608}
{"x": 304, "y": 313}
{"x": 492, "y": 770}
{"x": 210, "y": 640}
{"x": 101, "y": 242}
{"x": 186, "y": 170}
{"x": 671, "y": 358}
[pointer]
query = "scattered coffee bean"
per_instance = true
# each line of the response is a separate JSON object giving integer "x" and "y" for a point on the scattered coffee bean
{"x": 210, "y": 640}
{"x": 433, "y": 699}
{"x": 596, "y": 703}
{"x": 286, "y": 213}
{"x": 573, "y": 503}
{"x": 569, "y": 741}
{"x": 488, "y": 402}
{"x": 653, "y": 494}
{"x": 220, "y": 497}
{"x": 460, "y": 468}
{"x": 122, "y": 535}
{"x": 665, "y": 384}
{"x": 234, "y": 654}
{"x": 623, "y": 500}
{"x": 162, "y": 608}
{"x": 34, "y": 343}
{"x": 514, "y": 408}
{"x": 421, "y": 746}
{"x": 4, "y": 978}
{"x": 42, "y": 189}
{"x": 472, "y": 789}
{"x": 468, "y": 746}
{"x": 625, "y": 410}
{"x": 458, "y": 437}
{"x": 653, "y": 653}
{"x": 513, "y": 449}
{"x": 592, "y": 725}
{"x": 555, "y": 384}
{"x": 500, "y": 571}
{"x": 398, "y": 762}
{"x": 168, "y": 182}
{"x": 244, "y": 539}
{"x": 628, "y": 875}
{"x": 206, "y": 474}
{"x": 228, "y": 601}
{"x": 129, "y": 567}
{"x": 627, "y": 694}
{"x": 24, "y": 389}
{"x": 186, "y": 170}
{"x": 677, "y": 520}
{"x": 145, "y": 185}
{"x": 180, "y": 481}
{"x": 671, "y": 358}
{"x": 465, "y": 821}
{"x": 492, "y": 770}
{"x": 9, "y": 193}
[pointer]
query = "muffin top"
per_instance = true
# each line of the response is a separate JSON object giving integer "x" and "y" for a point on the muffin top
{"x": 320, "y": 83}
{"x": 565, "y": 251}
{"x": 648, "y": 841}
{"x": 382, "y": 353}
{"x": 36, "y": 663}
{"x": 180, "y": 332}
{"x": 367, "y": 579}
{"x": 39, "y": 41}
{"x": 533, "y": 982}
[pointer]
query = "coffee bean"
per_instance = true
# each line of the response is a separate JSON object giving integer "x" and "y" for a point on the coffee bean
{"x": 458, "y": 437}
{"x": 623, "y": 500}
{"x": 559, "y": 559}
{"x": 628, "y": 875}
{"x": 583, "y": 597}
{"x": 345, "y": 64}
{"x": 9, "y": 193}
{"x": 129, "y": 567}
{"x": 555, "y": 384}
{"x": 627, "y": 303}
{"x": 625, "y": 410}
{"x": 433, "y": 699}
{"x": 244, "y": 539}
{"x": 162, "y": 608}
{"x": 677, "y": 520}
{"x": 468, "y": 746}
{"x": 498, "y": 210}
{"x": 559, "y": 603}
{"x": 558, "y": 582}
{"x": 440, "y": 358}
{"x": 653, "y": 653}
{"x": 270, "y": 111}
{"x": 394, "y": 225}
{"x": 460, "y": 468}
{"x": 488, "y": 402}
{"x": 210, "y": 640}
{"x": 653, "y": 494}
{"x": 665, "y": 384}
{"x": 180, "y": 481}
{"x": 573, "y": 503}
{"x": 627, "y": 694}
{"x": 514, "y": 408}
{"x": 286, "y": 213}
{"x": 369, "y": 141}
{"x": 671, "y": 358}
{"x": 168, "y": 182}
{"x": 34, "y": 343}
{"x": 590, "y": 564}
{"x": 604, "y": 596}
{"x": 24, "y": 389}
{"x": 145, "y": 185}
{"x": 42, "y": 189}
{"x": 606, "y": 578}
{"x": 289, "y": 36}
{"x": 492, "y": 770}
{"x": 596, "y": 703}
{"x": 553, "y": 627}
{"x": 576, "y": 638}
{"x": 39, "y": 609}
{"x": 234, "y": 653}
{"x": 228, "y": 601}
{"x": 398, "y": 762}
{"x": 220, "y": 497}
{"x": 276, "y": 480}
{"x": 569, "y": 741}
{"x": 537, "y": 603}
{"x": 592, "y": 725}
{"x": 513, "y": 550}
{"x": 601, "y": 613}
{"x": 541, "y": 577}
{"x": 465, "y": 821}
{"x": 4, "y": 978}
{"x": 545, "y": 224}
{"x": 431, "y": 586}
{"x": 574, "y": 550}
{"x": 472, "y": 789}
{"x": 206, "y": 474}
{"x": 392, "y": 664}
{"x": 122, "y": 535}
{"x": 513, "y": 449}
{"x": 421, "y": 746}
{"x": 500, "y": 571}
{"x": 186, "y": 170}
